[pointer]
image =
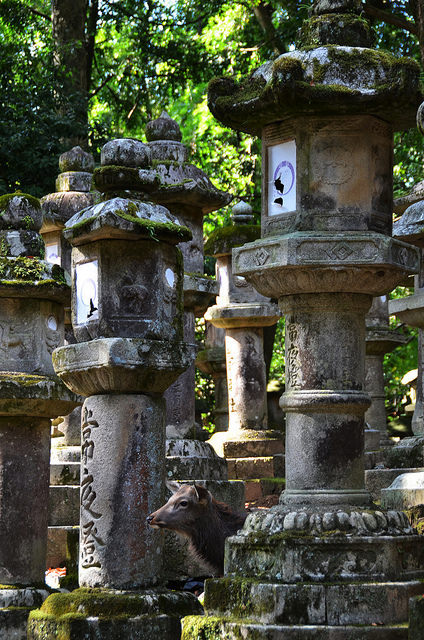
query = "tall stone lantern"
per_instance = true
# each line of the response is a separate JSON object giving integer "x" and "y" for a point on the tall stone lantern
{"x": 33, "y": 293}
{"x": 251, "y": 449}
{"x": 127, "y": 277}
{"x": 325, "y": 559}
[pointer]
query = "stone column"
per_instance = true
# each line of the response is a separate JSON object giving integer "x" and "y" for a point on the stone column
{"x": 189, "y": 194}
{"x": 380, "y": 339}
{"x": 251, "y": 450}
{"x": 325, "y": 560}
{"x": 33, "y": 293}
{"x": 211, "y": 360}
{"x": 127, "y": 317}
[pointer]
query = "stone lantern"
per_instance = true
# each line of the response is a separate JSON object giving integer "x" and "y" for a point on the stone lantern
{"x": 188, "y": 193}
{"x": 73, "y": 193}
{"x": 251, "y": 450}
{"x": 325, "y": 559}
{"x": 127, "y": 284}
{"x": 33, "y": 293}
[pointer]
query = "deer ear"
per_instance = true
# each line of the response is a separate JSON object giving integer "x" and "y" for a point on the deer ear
{"x": 203, "y": 494}
{"x": 172, "y": 486}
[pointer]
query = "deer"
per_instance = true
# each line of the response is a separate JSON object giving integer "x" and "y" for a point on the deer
{"x": 194, "y": 513}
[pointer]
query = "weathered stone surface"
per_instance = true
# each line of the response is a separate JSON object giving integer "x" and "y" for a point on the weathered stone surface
{"x": 401, "y": 204}
{"x": 74, "y": 181}
{"x": 416, "y": 618}
{"x": 62, "y": 548}
{"x": 76, "y": 159}
{"x": 256, "y": 467}
{"x": 371, "y": 262}
{"x": 126, "y": 152}
{"x": 24, "y": 473}
{"x": 409, "y": 452}
{"x": 405, "y": 492}
{"x": 42, "y": 396}
{"x": 243, "y": 315}
{"x": 125, "y": 365}
{"x": 28, "y": 344}
{"x": 319, "y": 81}
{"x": 21, "y": 243}
{"x": 122, "y": 436}
{"x": 64, "y": 474}
{"x": 223, "y": 628}
{"x": 110, "y": 615}
{"x": 293, "y": 558}
{"x": 193, "y": 460}
{"x": 15, "y": 606}
{"x": 199, "y": 292}
{"x": 163, "y": 128}
{"x": 330, "y": 604}
{"x": 378, "y": 479}
{"x": 409, "y": 310}
{"x": 64, "y": 505}
{"x": 20, "y": 211}
{"x": 60, "y": 206}
{"x": 410, "y": 226}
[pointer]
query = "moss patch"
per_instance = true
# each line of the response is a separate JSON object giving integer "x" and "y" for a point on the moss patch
{"x": 222, "y": 240}
{"x": 24, "y": 270}
{"x": 5, "y": 200}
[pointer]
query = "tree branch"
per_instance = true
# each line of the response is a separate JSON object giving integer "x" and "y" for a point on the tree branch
{"x": 390, "y": 18}
{"x": 38, "y": 13}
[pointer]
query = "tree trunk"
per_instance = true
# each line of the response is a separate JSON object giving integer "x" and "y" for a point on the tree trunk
{"x": 68, "y": 23}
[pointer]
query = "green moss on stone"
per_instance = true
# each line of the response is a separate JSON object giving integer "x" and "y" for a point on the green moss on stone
{"x": 4, "y": 200}
{"x": 223, "y": 239}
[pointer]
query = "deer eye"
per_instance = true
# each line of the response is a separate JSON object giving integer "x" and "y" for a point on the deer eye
{"x": 183, "y": 503}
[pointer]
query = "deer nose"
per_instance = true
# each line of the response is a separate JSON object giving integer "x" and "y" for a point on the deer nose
{"x": 149, "y": 519}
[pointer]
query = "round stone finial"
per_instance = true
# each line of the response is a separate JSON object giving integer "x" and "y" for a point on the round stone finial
{"x": 320, "y": 7}
{"x": 242, "y": 213}
{"x": 420, "y": 119}
{"x": 76, "y": 159}
{"x": 163, "y": 128}
{"x": 20, "y": 211}
{"x": 126, "y": 152}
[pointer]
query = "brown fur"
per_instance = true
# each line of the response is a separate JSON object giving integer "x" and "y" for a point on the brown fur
{"x": 194, "y": 513}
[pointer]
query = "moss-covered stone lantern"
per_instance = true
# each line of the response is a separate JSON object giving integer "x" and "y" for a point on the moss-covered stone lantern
{"x": 251, "y": 450}
{"x": 32, "y": 297}
{"x": 325, "y": 559}
{"x": 127, "y": 308}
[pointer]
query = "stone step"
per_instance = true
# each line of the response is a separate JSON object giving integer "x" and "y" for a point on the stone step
{"x": 311, "y": 604}
{"x": 378, "y": 479}
{"x": 260, "y": 487}
{"x": 195, "y": 627}
{"x": 257, "y": 467}
{"x": 64, "y": 505}
{"x": 68, "y": 473}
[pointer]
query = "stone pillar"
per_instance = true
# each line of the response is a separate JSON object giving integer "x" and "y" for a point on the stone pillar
{"x": 189, "y": 194}
{"x": 211, "y": 360}
{"x": 325, "y": 560}
{"x": 380, "y": 339}
{"x": 127, "y": 282}
{"x": 251, "y": 450}
{"x": 74, "y": 193}
{"x": 33, "y": 293}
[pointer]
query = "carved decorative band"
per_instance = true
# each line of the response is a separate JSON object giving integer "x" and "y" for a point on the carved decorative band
{"x": 325, "y": 401}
